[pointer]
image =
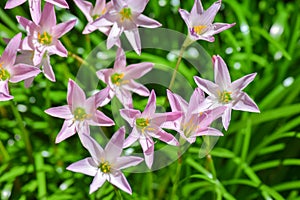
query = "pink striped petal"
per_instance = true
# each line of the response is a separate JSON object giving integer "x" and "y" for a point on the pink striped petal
{"x": 60, "y": 29}
{"x": 13, "y": 3}
{"x": 207, "y": 86}
{"x": 86, "y": 166}
{"x": 128, "y": 161}
{"x": 148, "y": 149}
{"x": 76, "y": 96}
{"x": 146, "y": 22}
{"x": 136, "y": 71}
{"x": 21, "y": 72}
{"x": 130, "y": 115}
{"x": 59, "y": 3}
{"x": 222, "y": 77}
{"x": 133, "y": 37}
{"x": 245, "y": 103}
{"x": 119, "y": 180}
{"x": 35, "y": 10}
{"x": 62, "y": 112}
{"x": 114, "y": 147}
{"x": 136, "y": 88}
{"x": 48, "y": 17}
{"x": 10, "y": 52}
{"x": 98, "y": 181}
{"x": 93, "y": 147}
{"x": 151, "y": 105}
{"x": 67, "y": 130}
{"x": 243, "y": 82}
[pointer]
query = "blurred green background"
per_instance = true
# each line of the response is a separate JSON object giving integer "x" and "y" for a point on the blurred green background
{"x": 258, "y": 157}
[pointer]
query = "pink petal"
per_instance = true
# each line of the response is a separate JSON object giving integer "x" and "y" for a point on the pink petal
{"x": 101, "y": 96}
{"x": 118, "y": 4}
{"x": 58, "y": 49}
{"x": 47, "y": 69}
{"x": 101, "y": 119}
{"x": 28, "y": 82}
{"x": 10, "y": 52}
{"x": 133, "y": 37}
{"x": 218, "y": 27}
{"x": 62, "y": 112}
{"x": 114, "y": 35}
{"x": 119, "y": 180}
{"x": 38, "y": 56}
{"x": 130, "y": 115}
{"x": 89, "y": 28}
{"x": 165, "y": 137}
{"x": 243, "y": 82}
{"x": 137, "y": 6}
{"x": 226, "y": 117}
{"x": 151, "y": 105}
{"x": 207, "y": 86}
{"x": 160, "y": 118}
{"x": 13, "y": 3}
{"x": 21, "y": 72}
{"x": 185, "y": 16}
{"x": 132, "y": 138}
{"x": 59, "y": 3}
{"x": 93, "y": 147}
{"x": 208, "y": 16}
{"x": 146, "y": 22}
{"x": 114, "y": 147}
{"x": 245, "y": 103}
{"x": 86, "y": 8}
{"x": 124, "y": 97}
{"x": 196, "y": 101}
{"x": 35, "y": 10}
{"x": 136, "y": 71}
{"x": 176, "y": 102}
{"x": 98, "y": 181}
{"x": 76, "y": 96}
{"x": 100, "y": 5}
{"x": 120, "y": 60}
{"x": 128, "y": 161}
{"x": 207, "y": 117}
{"x": 197, "y": 9}
{"x": 86, "y": 166}
{"x": 28, "y": 25}
{"x": 222, "y": 77}
{"x": 4, "y": 92}
{"x": 148, "y": 149}
{"x": 136, "y": 88}
{"x": 48, "y": 18}
{"x": 208, "y": 131}
{"x": 103, "y": 21}
{"x": 104, "y": 75}
{"x": 67, "y": 130}
{"x": 60, "y": 29}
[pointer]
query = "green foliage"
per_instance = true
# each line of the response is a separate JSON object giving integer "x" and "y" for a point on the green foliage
{"x": 257, "y": 158}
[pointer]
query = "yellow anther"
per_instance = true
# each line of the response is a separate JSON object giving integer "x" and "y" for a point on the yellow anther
{"x": 105, "y": 167}
{"x": 199, "y": 29}
{"x": 125, "y": 13}
{"x": 45, "y": 38}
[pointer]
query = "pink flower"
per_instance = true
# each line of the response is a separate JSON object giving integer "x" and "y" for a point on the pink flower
{"x": 80, "y": 112}
{"x": 92, "y": 13}
{"x": 106, "y": 165}
{"x": 43, "y": 36}
{"x": 125, "y": 16}
{"x": 200, "y": 22}
{"x": 35, "y": 6}
{"x": 120, "y": 79}
{"x": 225, "y": 93}
{"x": 10, "y": 71}
{"x": 147, "y": 125}
{"x": 194, "y": 124}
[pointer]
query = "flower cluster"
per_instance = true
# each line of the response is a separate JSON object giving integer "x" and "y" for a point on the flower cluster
{"x": 189, "y": 119}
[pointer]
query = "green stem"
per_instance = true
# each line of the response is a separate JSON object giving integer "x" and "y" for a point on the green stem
{"x": 211, "y": 166}
{"x": 24, "y": 132}
{"x": 4, "y": 156}
{"x": 185, "y": 44}
{"x": 176, "y": 179}
{"x": 118, "y": 193}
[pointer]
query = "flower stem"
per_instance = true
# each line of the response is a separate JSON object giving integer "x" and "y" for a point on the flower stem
{"x": 118, "y": 193}
{"x": 24, "y": 132}
{"x": 211, "y": 165}
{"x": 185, "y": 44}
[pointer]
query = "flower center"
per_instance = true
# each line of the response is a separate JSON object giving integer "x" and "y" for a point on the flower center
{"x": 105, "y": 167}
{"x": 80, "y": 114}
{"x": 142, "y": 122}
{"x": 225, "y": 96}
{"x": 198, "y": 29}
{"x": 96, "y": 16}
{"x": 4, "y": 74}
{"x": 125, "y": 13}
{"x": 116, "y": 78}
{"x": 45, "y": 38}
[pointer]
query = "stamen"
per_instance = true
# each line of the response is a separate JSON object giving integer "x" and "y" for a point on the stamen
{"x": 125, "y": 14}
{"x": 199, "y": 29}
{"x": 105, "y": 167}
{"x": 4, "y": 74}
{"x": 225, "y": 96}
{"x": 80, "y": 114}
{"x": 45, "y": 38}
{"x": 116, "y": 78}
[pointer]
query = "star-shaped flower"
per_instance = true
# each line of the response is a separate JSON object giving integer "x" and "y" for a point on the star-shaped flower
{"x": 225, "y": 93}
{"x": 106, "y": 165}
{"x": 10, "y": 71}
{"x": 42, "y": 37}
{"x": 35, "y": 6}
{"x": 200, "y": 22}
{"x": 192, "y": 124}
{"x": 120, "y": 79}
{"x": 147, "y": 125}
{"x": 126, "y": 16}
{"x": 80, "y": 112}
